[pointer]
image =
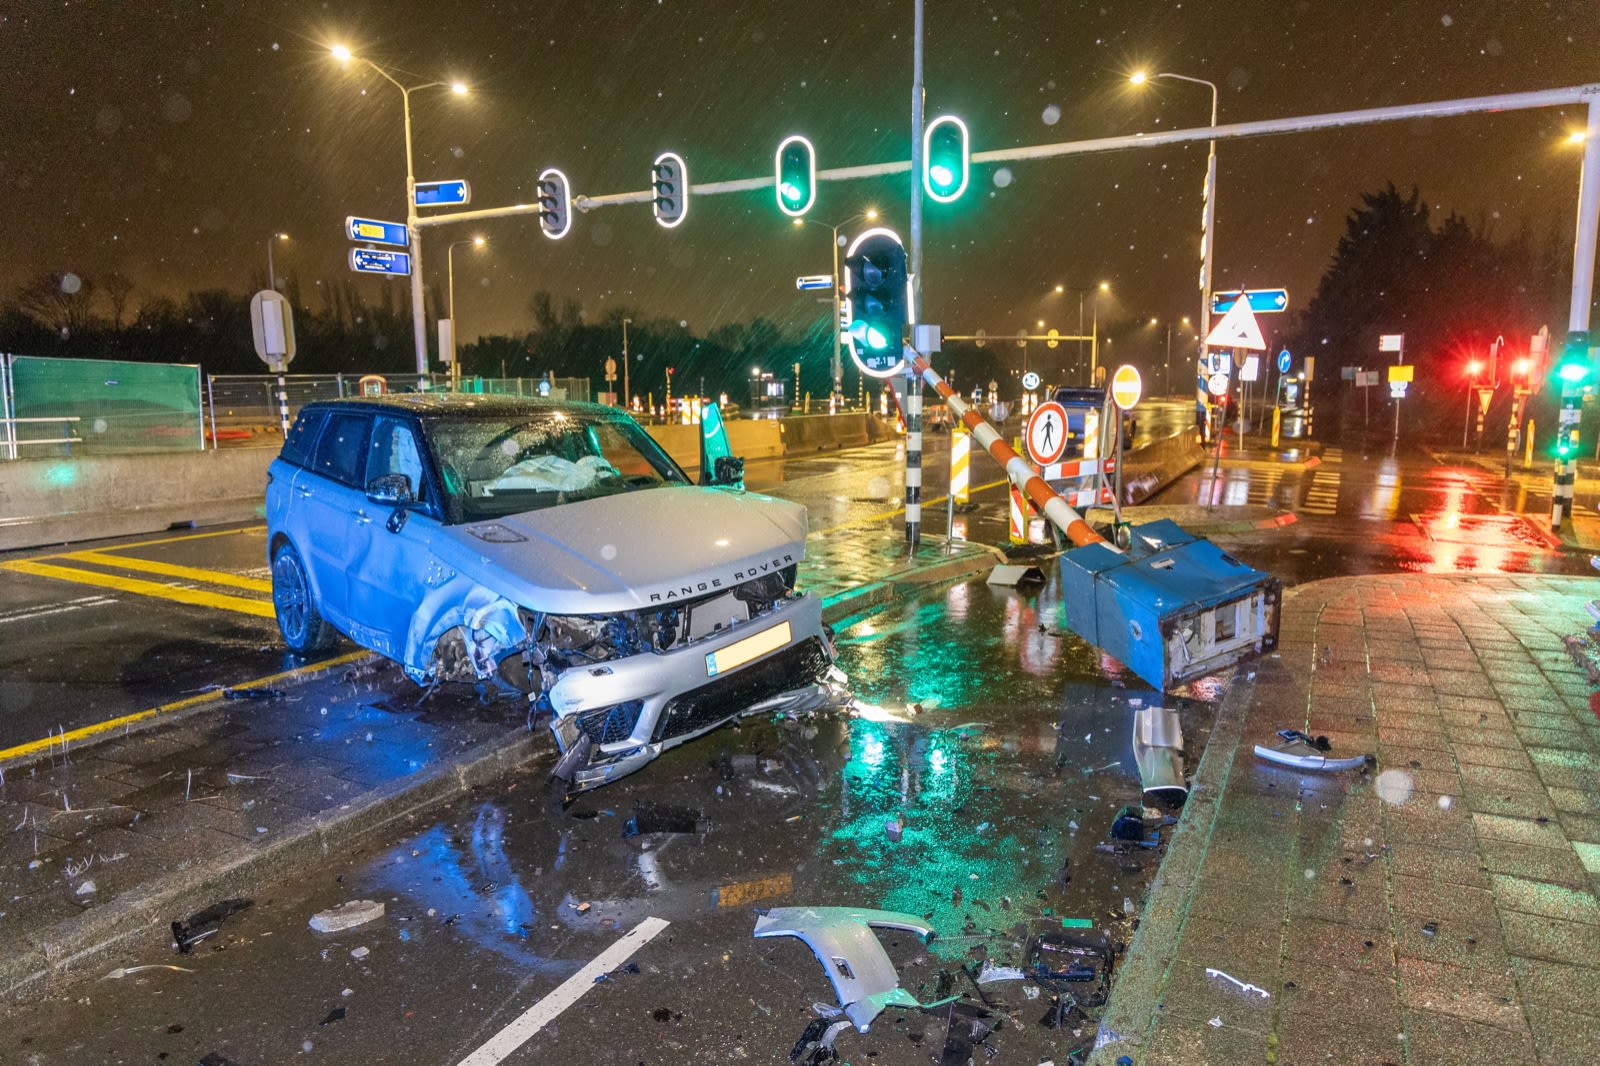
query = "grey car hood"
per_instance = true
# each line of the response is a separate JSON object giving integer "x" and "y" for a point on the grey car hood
{"x": 649, "y": 548}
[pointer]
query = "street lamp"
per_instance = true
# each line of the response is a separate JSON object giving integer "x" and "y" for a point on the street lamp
{"x": 627, "y": 397}
{"x": 272, "y": 278}
{"x": 1209, "y": 194}
{"x": 419, "y": 323}
{"x": 1094, "y": 335}
{"x": 871, "y": 215}
{"x": 1104, "y": 286}
{"x": 450, "y": 265}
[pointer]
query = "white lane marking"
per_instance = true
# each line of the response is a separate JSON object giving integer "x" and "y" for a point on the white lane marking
{"x": 27, "y": 614}
{"x": 567, "y": 993}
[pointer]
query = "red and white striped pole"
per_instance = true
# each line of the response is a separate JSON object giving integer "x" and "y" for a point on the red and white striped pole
{"x": 1018, "y": 470}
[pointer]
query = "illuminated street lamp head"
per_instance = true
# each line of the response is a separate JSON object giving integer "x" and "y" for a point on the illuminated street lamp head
{"x": 281, "y": 236}
{"x": 1138, "y": 77}
{"x": 872, "y": 214}
{"x": 799, "y": 222}
{"x": 1152, "y": 321}
{"x": 479, "y": 242}
{"x": 341, "y": 53}
{"x": 1576, "y": 137}
{"x": 1105, "y": 286}
{"x": 1061, "y": 288}
{"x": 459, "y": 88}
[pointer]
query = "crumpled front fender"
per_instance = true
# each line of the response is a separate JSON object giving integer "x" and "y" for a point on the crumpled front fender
{"x": 491, "y": 624}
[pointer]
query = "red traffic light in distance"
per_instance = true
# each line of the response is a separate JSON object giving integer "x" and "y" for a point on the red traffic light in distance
{"x": 1474, "y": 368}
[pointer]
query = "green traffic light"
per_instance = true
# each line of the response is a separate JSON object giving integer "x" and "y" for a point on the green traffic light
{"x": 795, "y": 175}
{"x": 1573, "y": 372}
{"x": 946, "y": 165}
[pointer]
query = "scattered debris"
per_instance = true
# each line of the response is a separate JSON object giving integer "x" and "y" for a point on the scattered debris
{"x": 253, "y": 693}
{"x": 361, "y": 952}
{"x": 1129, "y": 826}
{"x": 204, "y": 923}
{"x": 1244, "y": 986}
{"x": 216, "y": 1058}
{"x": 347, "y": 915}
{"x": 855, "y": 963}
{"x": 1304, "y": 752}
{"x": 1430, "y": 929}
{"x": 991, "y": 973}
{"x": 660, "y": 818}
{"x": 1158, "y": 751}
{"x": 965, "y": 1030}
{"x": 1215, "y": 1023}
{"x": 87, "y": 888}
{"x": 816, "y": 1042}
{"x": 334, "y": 1015}
{"x": 1008, "y": 574}
{"x": 127, "y": 971}
{"x": 893, "y": 830}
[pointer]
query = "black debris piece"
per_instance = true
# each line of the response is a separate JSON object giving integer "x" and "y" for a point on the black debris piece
{"x": 216, "y": 1058}
{"x": 660, "y": 818}
{"x": 965, "y": 1030}
{"x": 1430, "y": 928}
{"x": 174, "y": 1029}
{"x": 334, "y": 1015}
{"x": 252, "y": 693}
{"x": 205, "y": 923}
{"x": 815, "y": 1046}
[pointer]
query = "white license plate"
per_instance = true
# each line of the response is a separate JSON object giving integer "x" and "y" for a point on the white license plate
{"x": 751, "y": 647}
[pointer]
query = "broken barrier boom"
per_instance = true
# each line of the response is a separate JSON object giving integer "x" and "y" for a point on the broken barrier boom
{"x": 1173, "y": 607}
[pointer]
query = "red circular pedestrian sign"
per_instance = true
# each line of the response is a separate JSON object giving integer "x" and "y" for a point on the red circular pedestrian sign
{"x": 1046, "y": 435}
{"x": 1126, "y": 387}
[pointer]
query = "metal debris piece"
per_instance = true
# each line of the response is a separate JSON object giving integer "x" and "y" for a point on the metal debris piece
{"x": 127, "y": 971}
{"x": 253, "y": 693}
{"x": 660, "y": 818}
{"x": 855, "y": 963}
{"x": 1158, "y": 751}
{"x": 816, "y": 1042}
{"x": 347, "y": 915}
{"x": 204, "y": 923}
{"x": 1304, "y": 752}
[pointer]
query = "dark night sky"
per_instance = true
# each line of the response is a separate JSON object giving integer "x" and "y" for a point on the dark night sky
{"x": 168, "y": 139}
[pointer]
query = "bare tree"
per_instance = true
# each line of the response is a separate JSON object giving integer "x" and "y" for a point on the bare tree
{"x": 58, "y": 301}
{"x": 118, "y": 288}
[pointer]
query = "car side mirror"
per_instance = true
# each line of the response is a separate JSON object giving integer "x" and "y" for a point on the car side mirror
{"x": 392, "y": 489}
{"x": 395, "y": 491}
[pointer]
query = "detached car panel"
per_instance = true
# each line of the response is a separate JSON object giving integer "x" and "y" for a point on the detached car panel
{"x": 550, "y": 547}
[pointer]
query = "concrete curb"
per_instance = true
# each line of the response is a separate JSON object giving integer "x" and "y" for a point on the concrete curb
{"x": 862, "y": 597}
{"x": 1135, "y": 1000}
{"x": 67, "y": 948}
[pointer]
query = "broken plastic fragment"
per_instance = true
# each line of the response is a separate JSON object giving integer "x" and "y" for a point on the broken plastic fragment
{"x": 1158, "y": 752}
{"x": 204, "y": 923}
{"x": 346, "y": 915}
{"x": 855, "y": 963}
{"x": 1304, "y": 752}
{"x": 1243, "y": 985}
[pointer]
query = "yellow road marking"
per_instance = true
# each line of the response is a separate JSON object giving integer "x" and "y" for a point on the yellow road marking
{"x": 171, "y": 540}
{"x": 35, "y": 746}
{"x": 187, "y": 573}
{"x": 741, "y": 892}
{"x": 193, "y": 597}
{"x": 926, "y": 504}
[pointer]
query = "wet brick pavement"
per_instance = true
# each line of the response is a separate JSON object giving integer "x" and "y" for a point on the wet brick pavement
{"x": 1441, "y": 909}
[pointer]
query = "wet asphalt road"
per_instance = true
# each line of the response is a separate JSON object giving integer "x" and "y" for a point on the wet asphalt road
{"x": 998, "y": 742}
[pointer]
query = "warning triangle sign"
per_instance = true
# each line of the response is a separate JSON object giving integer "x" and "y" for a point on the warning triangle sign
{"x": 1237, "y": 329}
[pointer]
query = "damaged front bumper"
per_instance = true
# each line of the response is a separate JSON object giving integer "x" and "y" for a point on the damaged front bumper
{"x": 614, "y": 717}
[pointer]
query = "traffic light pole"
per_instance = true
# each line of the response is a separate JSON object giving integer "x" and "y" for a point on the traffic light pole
{"x": 1578, "y": 324}
{"x": 913, "y": 385}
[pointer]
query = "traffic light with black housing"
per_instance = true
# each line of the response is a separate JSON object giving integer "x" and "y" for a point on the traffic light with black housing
{"x": 877, "y": 301}
{"x": 669, "y": 176}
{"x": 946, "y": 161}
{"x": 555, "y": 204}
{"x": 1574, "y": 373}
{"x": 795, "y": 175}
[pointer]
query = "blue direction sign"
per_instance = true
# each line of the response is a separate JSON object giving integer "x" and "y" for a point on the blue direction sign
{"x": 1283, "y": 361}
{"x": 376, "y": 231}
{"x": 375, "y": 261}
{"x": 1261, "y": 300}
{"x": 813, "y": 282}
{"x": 442, "y": 193}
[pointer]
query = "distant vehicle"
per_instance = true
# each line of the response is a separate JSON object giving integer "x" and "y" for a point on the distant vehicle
{"x": 1080, "y": 401}
{"x": 547, "y": 546}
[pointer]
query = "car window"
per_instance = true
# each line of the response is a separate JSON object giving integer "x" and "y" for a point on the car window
{"x": 302, "y": 438}
{"x": 342, "y": 449}
{"x": 500, "y": 466}
{"x": 394, "y": 450}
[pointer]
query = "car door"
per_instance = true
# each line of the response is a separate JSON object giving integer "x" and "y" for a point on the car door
{"x": 386, "y": 582}
{"x": 331, "y": 498}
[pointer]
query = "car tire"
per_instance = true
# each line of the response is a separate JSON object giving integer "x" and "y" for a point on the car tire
{"x": 304, "y": 629}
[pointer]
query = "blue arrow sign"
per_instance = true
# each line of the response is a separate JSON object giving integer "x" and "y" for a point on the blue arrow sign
{"x": 442, "y": 193}
{"x": 376, "y": 231}
{"x": 1262, "y": 301}
{"x": 375, "y": 261}
{"x": 1283, "y": 361}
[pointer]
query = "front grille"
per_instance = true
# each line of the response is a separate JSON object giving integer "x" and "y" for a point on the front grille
{"x": 730, "y": 694}
{"x": 608, "y": 725}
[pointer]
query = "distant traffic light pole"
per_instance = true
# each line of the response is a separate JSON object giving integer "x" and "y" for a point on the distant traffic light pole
{"x": 1575, "y": 354}
{"x": 870, "y": 215}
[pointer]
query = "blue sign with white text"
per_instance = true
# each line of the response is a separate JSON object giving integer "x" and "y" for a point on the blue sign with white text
{"x": 377, "y": 231}
{"x": 443, "y": 193}
{"x": 374, "y": 261}
{"x": 1262, "y": 301}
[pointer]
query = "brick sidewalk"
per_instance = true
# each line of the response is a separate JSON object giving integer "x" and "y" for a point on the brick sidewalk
{"x": 1440, "y": 910}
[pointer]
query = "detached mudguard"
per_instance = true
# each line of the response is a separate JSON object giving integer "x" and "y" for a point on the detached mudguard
{"x": 843, "y": 941}
{"x": 1173, "y": 607}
